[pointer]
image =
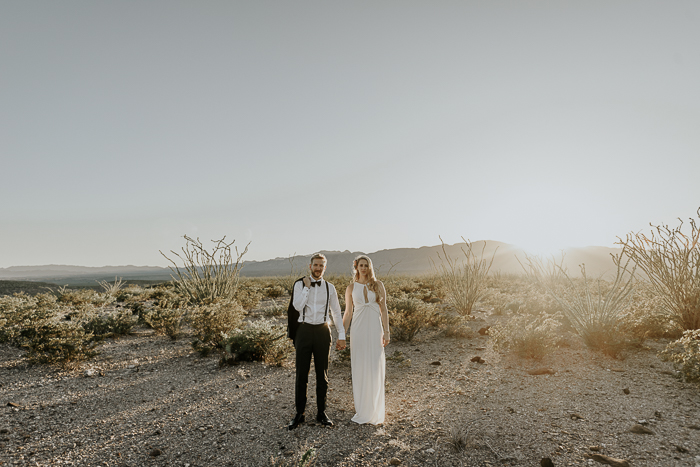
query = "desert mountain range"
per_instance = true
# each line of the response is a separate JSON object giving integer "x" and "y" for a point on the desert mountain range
{"x": 421, "y": 260}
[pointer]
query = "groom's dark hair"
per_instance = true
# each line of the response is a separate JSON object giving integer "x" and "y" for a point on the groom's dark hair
{"x": 318, "y": 256}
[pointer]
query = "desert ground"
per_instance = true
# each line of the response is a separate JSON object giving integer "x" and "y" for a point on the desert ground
{"x": 149, "y": 400}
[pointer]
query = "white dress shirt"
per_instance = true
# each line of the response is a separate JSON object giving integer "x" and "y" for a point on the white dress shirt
{"x": 313, "y": 300}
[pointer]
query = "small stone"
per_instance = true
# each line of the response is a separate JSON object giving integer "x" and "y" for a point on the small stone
{"x": 546, "y": 462}
{"x": 541, "y": 371}
{"x": 626, "y": 390}
{"x": 436, "y": 363}
{"x": 603, "y": 459}
{"x": 594, "y": 448}
{"x": 641, "y": 430}
{"x": 4, "y": 431}
{"x": 430, "y": 451}
{"x": 694, "y": 427}
{"x": 155, "y": 453}
{"x": 575, "y": 416}
{"x": 91, "y": 373}
{"x": 478, "y": 359}
{"x": 483, "y": 331}
{"x": 680, "y": 449}
{"x": 12, "y": 404}
{"x": 395, "y": 461}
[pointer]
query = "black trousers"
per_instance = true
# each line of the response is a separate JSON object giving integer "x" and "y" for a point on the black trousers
{"x": 312, "y": 340}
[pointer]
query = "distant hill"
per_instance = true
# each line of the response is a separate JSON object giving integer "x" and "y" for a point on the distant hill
{"x": 397, "y": 261}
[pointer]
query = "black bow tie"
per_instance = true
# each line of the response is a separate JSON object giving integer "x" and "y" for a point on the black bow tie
{"x": 316, "y": 283}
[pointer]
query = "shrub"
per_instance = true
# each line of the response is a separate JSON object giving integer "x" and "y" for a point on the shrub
{"x": 211, "y": 322}
{"x": 62, "y": 343}
{"x": 259, "y": 341}
{"x": 20, "y": 314}
{"x": 165, "y": 321}
{"x": 248, "y": 295}
{"x": 646, "y": 317}
{"x": 102, "y": 325}
{"x": 81, "y": 298}
{"x": 465, "y": 283}
{"x": 685, "y": 354}
{"x": 671, "y": 261}
{"x": 207, "y": 277}
{"x": 594, "y": 309}
{"x": 112, "y": 289}
{"x": 529, "y": 336}
{"x": 129, "y": 293}
{"x": 274, "y": 291}
{"x": 275, "y": 311}
{"x": 408, "y": 316}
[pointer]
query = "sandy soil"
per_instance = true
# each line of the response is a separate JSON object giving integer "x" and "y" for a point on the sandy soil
{"x": 147, "y": 400}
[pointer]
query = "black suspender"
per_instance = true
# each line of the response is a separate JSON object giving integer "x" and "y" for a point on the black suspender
{"x": 325, "y": 315}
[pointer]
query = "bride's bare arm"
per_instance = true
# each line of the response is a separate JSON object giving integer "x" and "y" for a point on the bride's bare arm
{"x": 347, "y": 317}
{"x": 384, "y": 313}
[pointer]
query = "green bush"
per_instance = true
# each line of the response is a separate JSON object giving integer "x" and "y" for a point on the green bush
{"x": 529, "y": 336}
{"x": 164, "y": 320}
{"x": 685, "y": 354}
{"x": 408, "y": 316}
{"x": 248, "y": 295}
{"x": 260, "y": 340}
{"x": 20, "y": 314}
{"x": 274, "y": 291}
{"x": 103, "y": 325}
{"x": 211, "y": 322}
{"x": 81, "y": 298}
{"x": 62, "y": 343}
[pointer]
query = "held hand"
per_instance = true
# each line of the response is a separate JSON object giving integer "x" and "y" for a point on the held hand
{"x": 340, "y": 345}
{"x": 386, "y": 338}
{"x": 307, "y": 282}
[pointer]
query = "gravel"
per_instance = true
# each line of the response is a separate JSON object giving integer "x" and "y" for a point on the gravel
{"x": 147, "y": 400}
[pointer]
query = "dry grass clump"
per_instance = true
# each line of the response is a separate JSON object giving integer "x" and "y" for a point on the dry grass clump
{"x": 685, "y": 354}
{"x": 408, "y": 316}
{"x": 527, "y": 335}
{"x": 207, "y": 276}
{"x": 671, "y": 261}
{"x": 81, "y": 298}
{"x": 464, "y": 282}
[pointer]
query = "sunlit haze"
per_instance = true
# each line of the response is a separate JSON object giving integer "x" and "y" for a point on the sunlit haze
{"x": 365, "y": 125}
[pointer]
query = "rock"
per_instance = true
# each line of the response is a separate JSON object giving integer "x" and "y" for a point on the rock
{"x": 430, "y": 451}
{"x": 155, "y": 453}
{"x": 483, "y": 331}
{"x": 575, "y": 416}
{"x": 12, "y": 404}
{"x": 626, "y": 390}
{"x": 680, "y": 449}
{"x": 641, "y": 430}
{"x": 603, "y": 459}
{"x": 478, "y": 359}
{"x": 4, "y": 431}
{"x": 91, "y": 373}
{"x": 594, "y": 448}
{"x": 436, "y": 363}
{"x": 694, "y": 427}
{"x": 546, "y": 462}
{"x": 395, "y": 461}
{"x": 541, "y": 371}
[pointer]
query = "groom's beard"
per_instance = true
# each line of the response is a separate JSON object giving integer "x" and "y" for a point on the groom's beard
{"x": 316, "y": 276}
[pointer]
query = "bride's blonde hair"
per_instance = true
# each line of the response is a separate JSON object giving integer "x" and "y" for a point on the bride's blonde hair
{"x": 372, "y": 284}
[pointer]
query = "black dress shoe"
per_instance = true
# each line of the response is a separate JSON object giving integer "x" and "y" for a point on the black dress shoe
{"x": 324, "y": 420}
{"x": 298, "y": 420}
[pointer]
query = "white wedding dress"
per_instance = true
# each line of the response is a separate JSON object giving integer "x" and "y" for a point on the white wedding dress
{"x": 367, "y": 357}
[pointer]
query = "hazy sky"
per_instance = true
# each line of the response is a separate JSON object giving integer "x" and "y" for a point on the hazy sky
{"x": 309, "y": 125}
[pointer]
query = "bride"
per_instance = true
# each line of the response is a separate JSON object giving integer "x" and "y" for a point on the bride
{"x": 365, "y": 309}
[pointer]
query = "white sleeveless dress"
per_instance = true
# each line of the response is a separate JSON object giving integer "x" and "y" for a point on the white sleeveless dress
{"x": 367, "y": 357}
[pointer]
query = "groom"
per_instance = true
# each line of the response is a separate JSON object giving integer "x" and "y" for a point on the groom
{"x": 312, "y": 297}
